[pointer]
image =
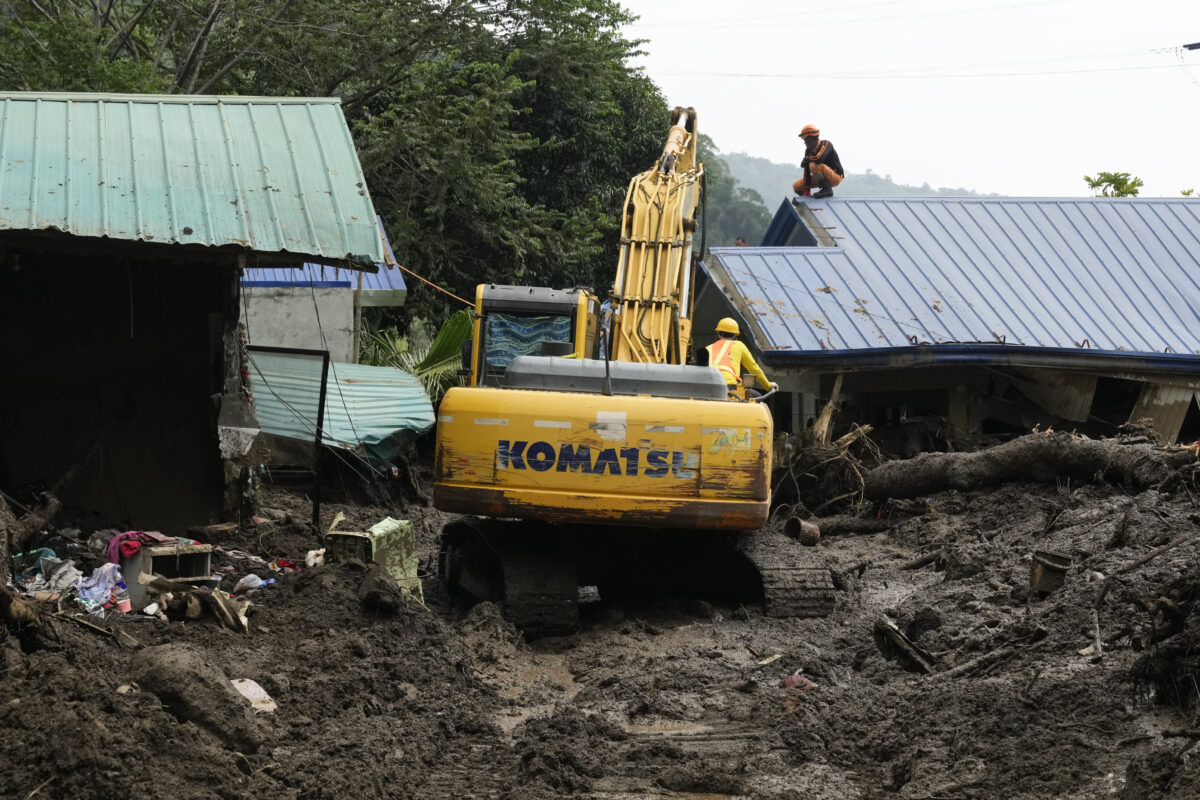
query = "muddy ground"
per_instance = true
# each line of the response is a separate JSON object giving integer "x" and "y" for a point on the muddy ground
{"x": 676, "y": 697}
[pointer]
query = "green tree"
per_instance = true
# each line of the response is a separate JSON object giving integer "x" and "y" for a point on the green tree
{"x": 1113, "y": 184}
{"x": 730, "y": 210}
{"x": 497, "y": 136}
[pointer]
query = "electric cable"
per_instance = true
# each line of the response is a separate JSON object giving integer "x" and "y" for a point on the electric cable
{"x": 312, "y": 426}
{"x": 897, "y": 76}
{"x": 349, "y": 417}
{"x": 810, "y": 19}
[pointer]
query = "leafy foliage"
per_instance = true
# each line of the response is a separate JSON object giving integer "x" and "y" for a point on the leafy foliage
{"x": 497, "y": 136}
{"x": 436, "y": 365}
{"x": 730, "y": 210}
{"x": 1113, "y": 184}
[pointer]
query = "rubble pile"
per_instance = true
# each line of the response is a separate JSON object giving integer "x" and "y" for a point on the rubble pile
{"x": 1012, "y": 635}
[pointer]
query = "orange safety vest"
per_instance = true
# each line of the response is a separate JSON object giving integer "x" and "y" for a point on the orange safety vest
{"x": 720, "y": 355}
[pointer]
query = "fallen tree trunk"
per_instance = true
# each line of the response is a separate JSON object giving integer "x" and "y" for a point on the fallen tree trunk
{"x": 832, "y": 526}
{"x": 1044, "y": 458}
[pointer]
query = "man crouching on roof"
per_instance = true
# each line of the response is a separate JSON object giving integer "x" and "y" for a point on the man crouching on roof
{"x": 822, "y": 167}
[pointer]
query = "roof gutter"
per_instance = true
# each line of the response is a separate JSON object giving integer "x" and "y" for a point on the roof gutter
{"x": 989, "y": 354}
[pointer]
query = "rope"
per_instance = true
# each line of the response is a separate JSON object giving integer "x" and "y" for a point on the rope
{"x": 434, "y": 285}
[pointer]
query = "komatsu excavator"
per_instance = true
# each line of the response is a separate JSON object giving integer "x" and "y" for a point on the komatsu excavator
{"x": 585, "y": 451}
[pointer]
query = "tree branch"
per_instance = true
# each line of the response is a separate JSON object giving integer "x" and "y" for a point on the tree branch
{"x": 166, "y": 38}
{"x": 104, "y": 20}
{"x": 122, "y": 36}
{"x": 247, "y": 50}
{"x": 42, "y": 9}
{"x": 186, "y": 76}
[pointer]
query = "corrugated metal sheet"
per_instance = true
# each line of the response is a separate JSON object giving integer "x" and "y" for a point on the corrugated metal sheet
{"x": 1166, "y": 406}
{"x": 1112, "y": 275}
{"x": 266, "y": 174}
{"x": 367, "y": 409}
{"x": 389, "y": 279}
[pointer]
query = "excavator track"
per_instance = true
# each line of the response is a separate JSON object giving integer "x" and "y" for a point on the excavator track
{"x": 792, "y": 585}
{"x": 533, "y": 570}
{"x": 520, "y": 566}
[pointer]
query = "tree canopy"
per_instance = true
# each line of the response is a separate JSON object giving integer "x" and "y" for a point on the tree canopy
{"x": 1113, "y": 184}
{"x": 497, "y": 136}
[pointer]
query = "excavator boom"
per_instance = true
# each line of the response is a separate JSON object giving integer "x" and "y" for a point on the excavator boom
{"x": 652, "y": 293}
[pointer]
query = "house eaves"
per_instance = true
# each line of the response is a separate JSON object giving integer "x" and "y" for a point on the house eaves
{"x": 272, "y": 176}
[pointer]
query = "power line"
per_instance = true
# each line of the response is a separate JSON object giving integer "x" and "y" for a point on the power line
{"x": 906, "y": 76}
{"x": 790, "y": 15}
{"x": 812, "y": 19}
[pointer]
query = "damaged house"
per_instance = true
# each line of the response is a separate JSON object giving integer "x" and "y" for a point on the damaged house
{"x": 318, "y": 307}
{"x": 125, "y": 224}
{"x": 962, "y": 316}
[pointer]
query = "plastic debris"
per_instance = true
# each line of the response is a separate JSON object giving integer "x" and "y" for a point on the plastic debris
{"x": 256, "y": 694}
{"x": 251, "y": 581}
{"x": 315, "y": 558}
{"x": 120, "y": 596}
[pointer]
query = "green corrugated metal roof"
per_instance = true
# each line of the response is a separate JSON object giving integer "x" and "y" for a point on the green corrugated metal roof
{"x": 367, "y": 409}
{"x": 268, "y": 174}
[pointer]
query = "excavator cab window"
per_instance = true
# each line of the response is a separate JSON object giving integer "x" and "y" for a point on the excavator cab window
{"x": 507, "y": 335}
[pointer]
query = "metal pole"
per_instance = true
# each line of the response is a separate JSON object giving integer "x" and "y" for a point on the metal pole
{"x": 357, "y": 319}
{"x": 316, "y": 513}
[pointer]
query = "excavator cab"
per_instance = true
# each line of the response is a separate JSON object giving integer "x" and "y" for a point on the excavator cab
{"x": 515, "y": 321}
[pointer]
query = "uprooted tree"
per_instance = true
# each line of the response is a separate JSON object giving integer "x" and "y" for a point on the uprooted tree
{"x": 1040, "y": 457}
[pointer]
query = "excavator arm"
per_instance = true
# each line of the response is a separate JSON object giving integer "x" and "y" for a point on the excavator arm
{"x": 652, "y": 293}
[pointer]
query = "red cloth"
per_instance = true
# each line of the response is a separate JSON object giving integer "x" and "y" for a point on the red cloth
{"x": 116, "y": 545}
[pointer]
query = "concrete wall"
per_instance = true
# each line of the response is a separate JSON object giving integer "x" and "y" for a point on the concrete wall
{"x": 286, "y": 317}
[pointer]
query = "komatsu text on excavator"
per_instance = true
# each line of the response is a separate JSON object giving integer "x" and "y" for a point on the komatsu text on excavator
{"x": 585, "y": 451}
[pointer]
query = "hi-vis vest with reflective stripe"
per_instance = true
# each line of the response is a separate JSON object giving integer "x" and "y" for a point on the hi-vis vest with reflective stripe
{"x": 720, "y": 355}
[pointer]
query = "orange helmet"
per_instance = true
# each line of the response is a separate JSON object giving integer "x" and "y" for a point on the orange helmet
{"x": 809, "y": 130}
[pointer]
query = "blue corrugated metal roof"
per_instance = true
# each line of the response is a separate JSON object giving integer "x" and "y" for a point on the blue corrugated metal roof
{"x": 387, "y": 279}
{"x": 1117, "y": 275}
{"x": 266, "y": 174}
{"x": 367, "y": 409}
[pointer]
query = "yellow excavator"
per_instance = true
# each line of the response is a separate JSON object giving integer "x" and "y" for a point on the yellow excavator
{"x": 585, "y": 451}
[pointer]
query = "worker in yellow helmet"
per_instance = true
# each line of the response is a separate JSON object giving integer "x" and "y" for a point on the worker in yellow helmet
{"x": 729, "y": 355}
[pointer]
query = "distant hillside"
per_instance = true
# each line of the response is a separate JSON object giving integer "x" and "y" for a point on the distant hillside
{"x": 774, "y": 181}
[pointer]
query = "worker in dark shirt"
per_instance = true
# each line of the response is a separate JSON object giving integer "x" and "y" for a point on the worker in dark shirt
{"x": 822, "y": 167}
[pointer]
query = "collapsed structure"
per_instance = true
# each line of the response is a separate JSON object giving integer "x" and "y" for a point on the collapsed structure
{"x": 991, "y": 314}
{"x": 125, "y": 221}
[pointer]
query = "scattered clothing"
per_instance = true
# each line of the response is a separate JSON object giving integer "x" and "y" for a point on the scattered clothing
{"x": 57, "y": 575}
{"x": 95, "y": 590}
{"x": 127, "y": 544}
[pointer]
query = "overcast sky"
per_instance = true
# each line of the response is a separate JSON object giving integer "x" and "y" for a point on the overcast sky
{"x": 1018, "y": 97}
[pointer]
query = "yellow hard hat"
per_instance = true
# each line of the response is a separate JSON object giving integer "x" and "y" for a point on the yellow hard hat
{"x": 728, "y": 325}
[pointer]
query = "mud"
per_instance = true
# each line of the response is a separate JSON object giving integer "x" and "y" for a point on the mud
{"x": 678, "y": 698}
